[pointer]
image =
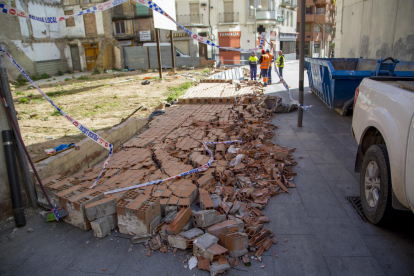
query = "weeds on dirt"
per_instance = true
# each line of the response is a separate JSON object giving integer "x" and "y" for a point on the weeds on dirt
{"x": 23, "y": 101}
{"x": 20, "y": 81}
{"x": 83, "y": 78}
{"x": 67, "y": 79}
{"x": 19, "y": 93}
{"x": 95, "y": 71}
{"x": 60, "y": 73}
{"x": 178, "y": 91}
{"x": 55, "y": 113}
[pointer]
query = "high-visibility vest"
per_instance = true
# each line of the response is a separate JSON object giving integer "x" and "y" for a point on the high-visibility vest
{"x": 266, "y": 62}
{"x": 281, "y": 61}
{"x": 271, "y": 57}
{"x": 253, "y": 61}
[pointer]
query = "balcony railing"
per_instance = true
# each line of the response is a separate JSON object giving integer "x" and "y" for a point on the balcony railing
{"x": 229, "y": 18}
{"x": 289, "y": 3}
{"x": 269, "y": 15}
{"x": 190, "y": 19}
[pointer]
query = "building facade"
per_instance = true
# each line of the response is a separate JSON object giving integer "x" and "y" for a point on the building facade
{"x": 375, "y": 29}
{"x": 231, "y": 23}
{"x": 319, "y": 28}
{"x": 132, "y": 24}
{"x": 80, "y": 43}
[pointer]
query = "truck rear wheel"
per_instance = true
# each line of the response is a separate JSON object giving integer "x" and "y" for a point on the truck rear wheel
{"x": 375, "y": 185}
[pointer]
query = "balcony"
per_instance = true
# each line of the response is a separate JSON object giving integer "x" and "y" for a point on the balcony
{"x": 289, "y": 3}
{"x": 229, "y": 18}
{"x": 190, "y": 19}
{"x": 318, "y": 2}
{"x": 322, "y": 18}
{"x": 309, "y": 17}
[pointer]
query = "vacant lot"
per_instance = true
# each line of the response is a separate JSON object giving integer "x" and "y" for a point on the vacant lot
{"x": 97, "y": 101}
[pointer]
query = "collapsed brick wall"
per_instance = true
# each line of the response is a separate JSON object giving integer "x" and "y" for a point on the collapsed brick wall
{"x": 230, "y": 197}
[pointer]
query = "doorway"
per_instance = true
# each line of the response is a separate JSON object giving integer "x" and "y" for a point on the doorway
{"x": 74, "y": 52}
{"x": 91, "y": 55}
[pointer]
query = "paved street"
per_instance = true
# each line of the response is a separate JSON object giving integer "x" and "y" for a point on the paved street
{"x": 318, "y": 230}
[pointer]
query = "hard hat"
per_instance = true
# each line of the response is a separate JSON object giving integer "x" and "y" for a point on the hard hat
{"x": 267, "y": 51}
{"x": 263, "y": 51}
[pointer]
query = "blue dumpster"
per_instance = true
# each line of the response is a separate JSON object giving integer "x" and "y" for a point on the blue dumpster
{"x": 334, "y": 80}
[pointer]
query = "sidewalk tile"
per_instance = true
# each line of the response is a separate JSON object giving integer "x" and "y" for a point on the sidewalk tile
{"x": 338, "y": 237}
{"x": 355, "y": 266}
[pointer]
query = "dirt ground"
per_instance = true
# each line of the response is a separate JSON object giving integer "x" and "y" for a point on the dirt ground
{"x": 98, "y": 102}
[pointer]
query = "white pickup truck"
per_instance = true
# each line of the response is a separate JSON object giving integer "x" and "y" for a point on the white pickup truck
{"x": 383, "y": 126}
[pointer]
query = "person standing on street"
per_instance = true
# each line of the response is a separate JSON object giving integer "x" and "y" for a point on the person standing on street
{"x": 281, "y": 63}
{"x": 264, "y": 66}
{"x": 269, "y": 71}
{"x": 253, "y": 66}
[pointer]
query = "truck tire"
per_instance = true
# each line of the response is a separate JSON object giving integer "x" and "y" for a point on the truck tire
{"x": 375, "y": 185}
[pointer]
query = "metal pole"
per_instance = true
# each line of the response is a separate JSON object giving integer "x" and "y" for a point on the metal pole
{"x": 21, "y": 157}
{"x": 157, "y": 35}
{"x": 255, "y": 28}
{"x": 13, "y": 176}
{"x": 172, "y": 52}
{"x": 301, "y": 59}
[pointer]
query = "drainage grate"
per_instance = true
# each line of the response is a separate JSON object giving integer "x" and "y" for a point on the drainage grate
{"x": 356, "y": 203}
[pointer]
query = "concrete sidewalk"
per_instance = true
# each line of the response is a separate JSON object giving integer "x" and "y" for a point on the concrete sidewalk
{"x": 319, "y": 232}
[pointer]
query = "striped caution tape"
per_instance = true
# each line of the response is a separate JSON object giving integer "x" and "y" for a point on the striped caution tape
{"x": 285, "y": 84}
{"x": 87, "y": 132}
{"x": 110, "y": 4}
{"x": 197, "y": 170}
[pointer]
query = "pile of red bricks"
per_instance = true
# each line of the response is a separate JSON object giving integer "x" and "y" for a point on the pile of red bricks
{"x": 217, "y": 213}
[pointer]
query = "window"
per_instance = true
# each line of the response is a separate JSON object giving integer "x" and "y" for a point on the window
{"x": 306, "y": 52}
{"x": 194, "y": 13}
{"x": 287, "y": 18}
{"x": 265, "y": 5}
{"x": 251, "y": 12}
{"x": 308, "y": 10}
{"x": 70, "y": 22}
{"x": 288, "y": 47}
{"x": 291, "y": 19}
{"x": 120, "y": 27}
{"x": 316, "y": 28}
{"x": 298, "y": 27}
{"x": 228, "y": 11}
{"x": 142, "y": 10}
{"x": 307, "y": 27}
{"x": 320, "y": 10}
{"x": 283, "y": 15}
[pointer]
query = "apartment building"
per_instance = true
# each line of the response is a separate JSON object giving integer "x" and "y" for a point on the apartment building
{"x": 319, "y": 27}
{"x": 88, "y": 38}
{"x": 133, "y": 24}
{"x": 232, "y": 23}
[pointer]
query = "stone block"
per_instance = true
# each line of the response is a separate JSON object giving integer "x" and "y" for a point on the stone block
{"x": 207, "y": 218}
{"x": 177, "y": 242}
{"x": 216, "y": 269}
{"x": 193, "y": 233}
{"x": 202, "y": 243}
{"x": 100, "y": 208}
{"x": 102, "y": 227}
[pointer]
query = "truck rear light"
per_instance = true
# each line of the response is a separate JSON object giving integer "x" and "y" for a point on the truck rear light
{"x": 356, "y": 96}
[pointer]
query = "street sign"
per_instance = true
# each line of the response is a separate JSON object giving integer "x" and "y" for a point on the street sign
{"x": 145, "y": 35}
{"x": 160, "y": 20}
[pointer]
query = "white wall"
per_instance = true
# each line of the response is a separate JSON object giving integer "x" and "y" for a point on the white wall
{"x": 375, "y": 29}
{"x": 79, "y": 29}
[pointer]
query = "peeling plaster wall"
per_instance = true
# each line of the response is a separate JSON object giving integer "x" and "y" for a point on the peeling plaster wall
{"x": 375, "y": 29}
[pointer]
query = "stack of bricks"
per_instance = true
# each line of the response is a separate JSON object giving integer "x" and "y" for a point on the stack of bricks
{"x": 215, "y": 91}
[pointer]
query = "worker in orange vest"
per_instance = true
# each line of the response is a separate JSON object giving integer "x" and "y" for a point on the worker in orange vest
{"x": 269, "y": 72}
{"x": 264, "y": 66}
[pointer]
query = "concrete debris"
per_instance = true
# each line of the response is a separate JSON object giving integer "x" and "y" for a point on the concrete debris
{"x": 219, "y": 213}
{"x": 142, "y": 239}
